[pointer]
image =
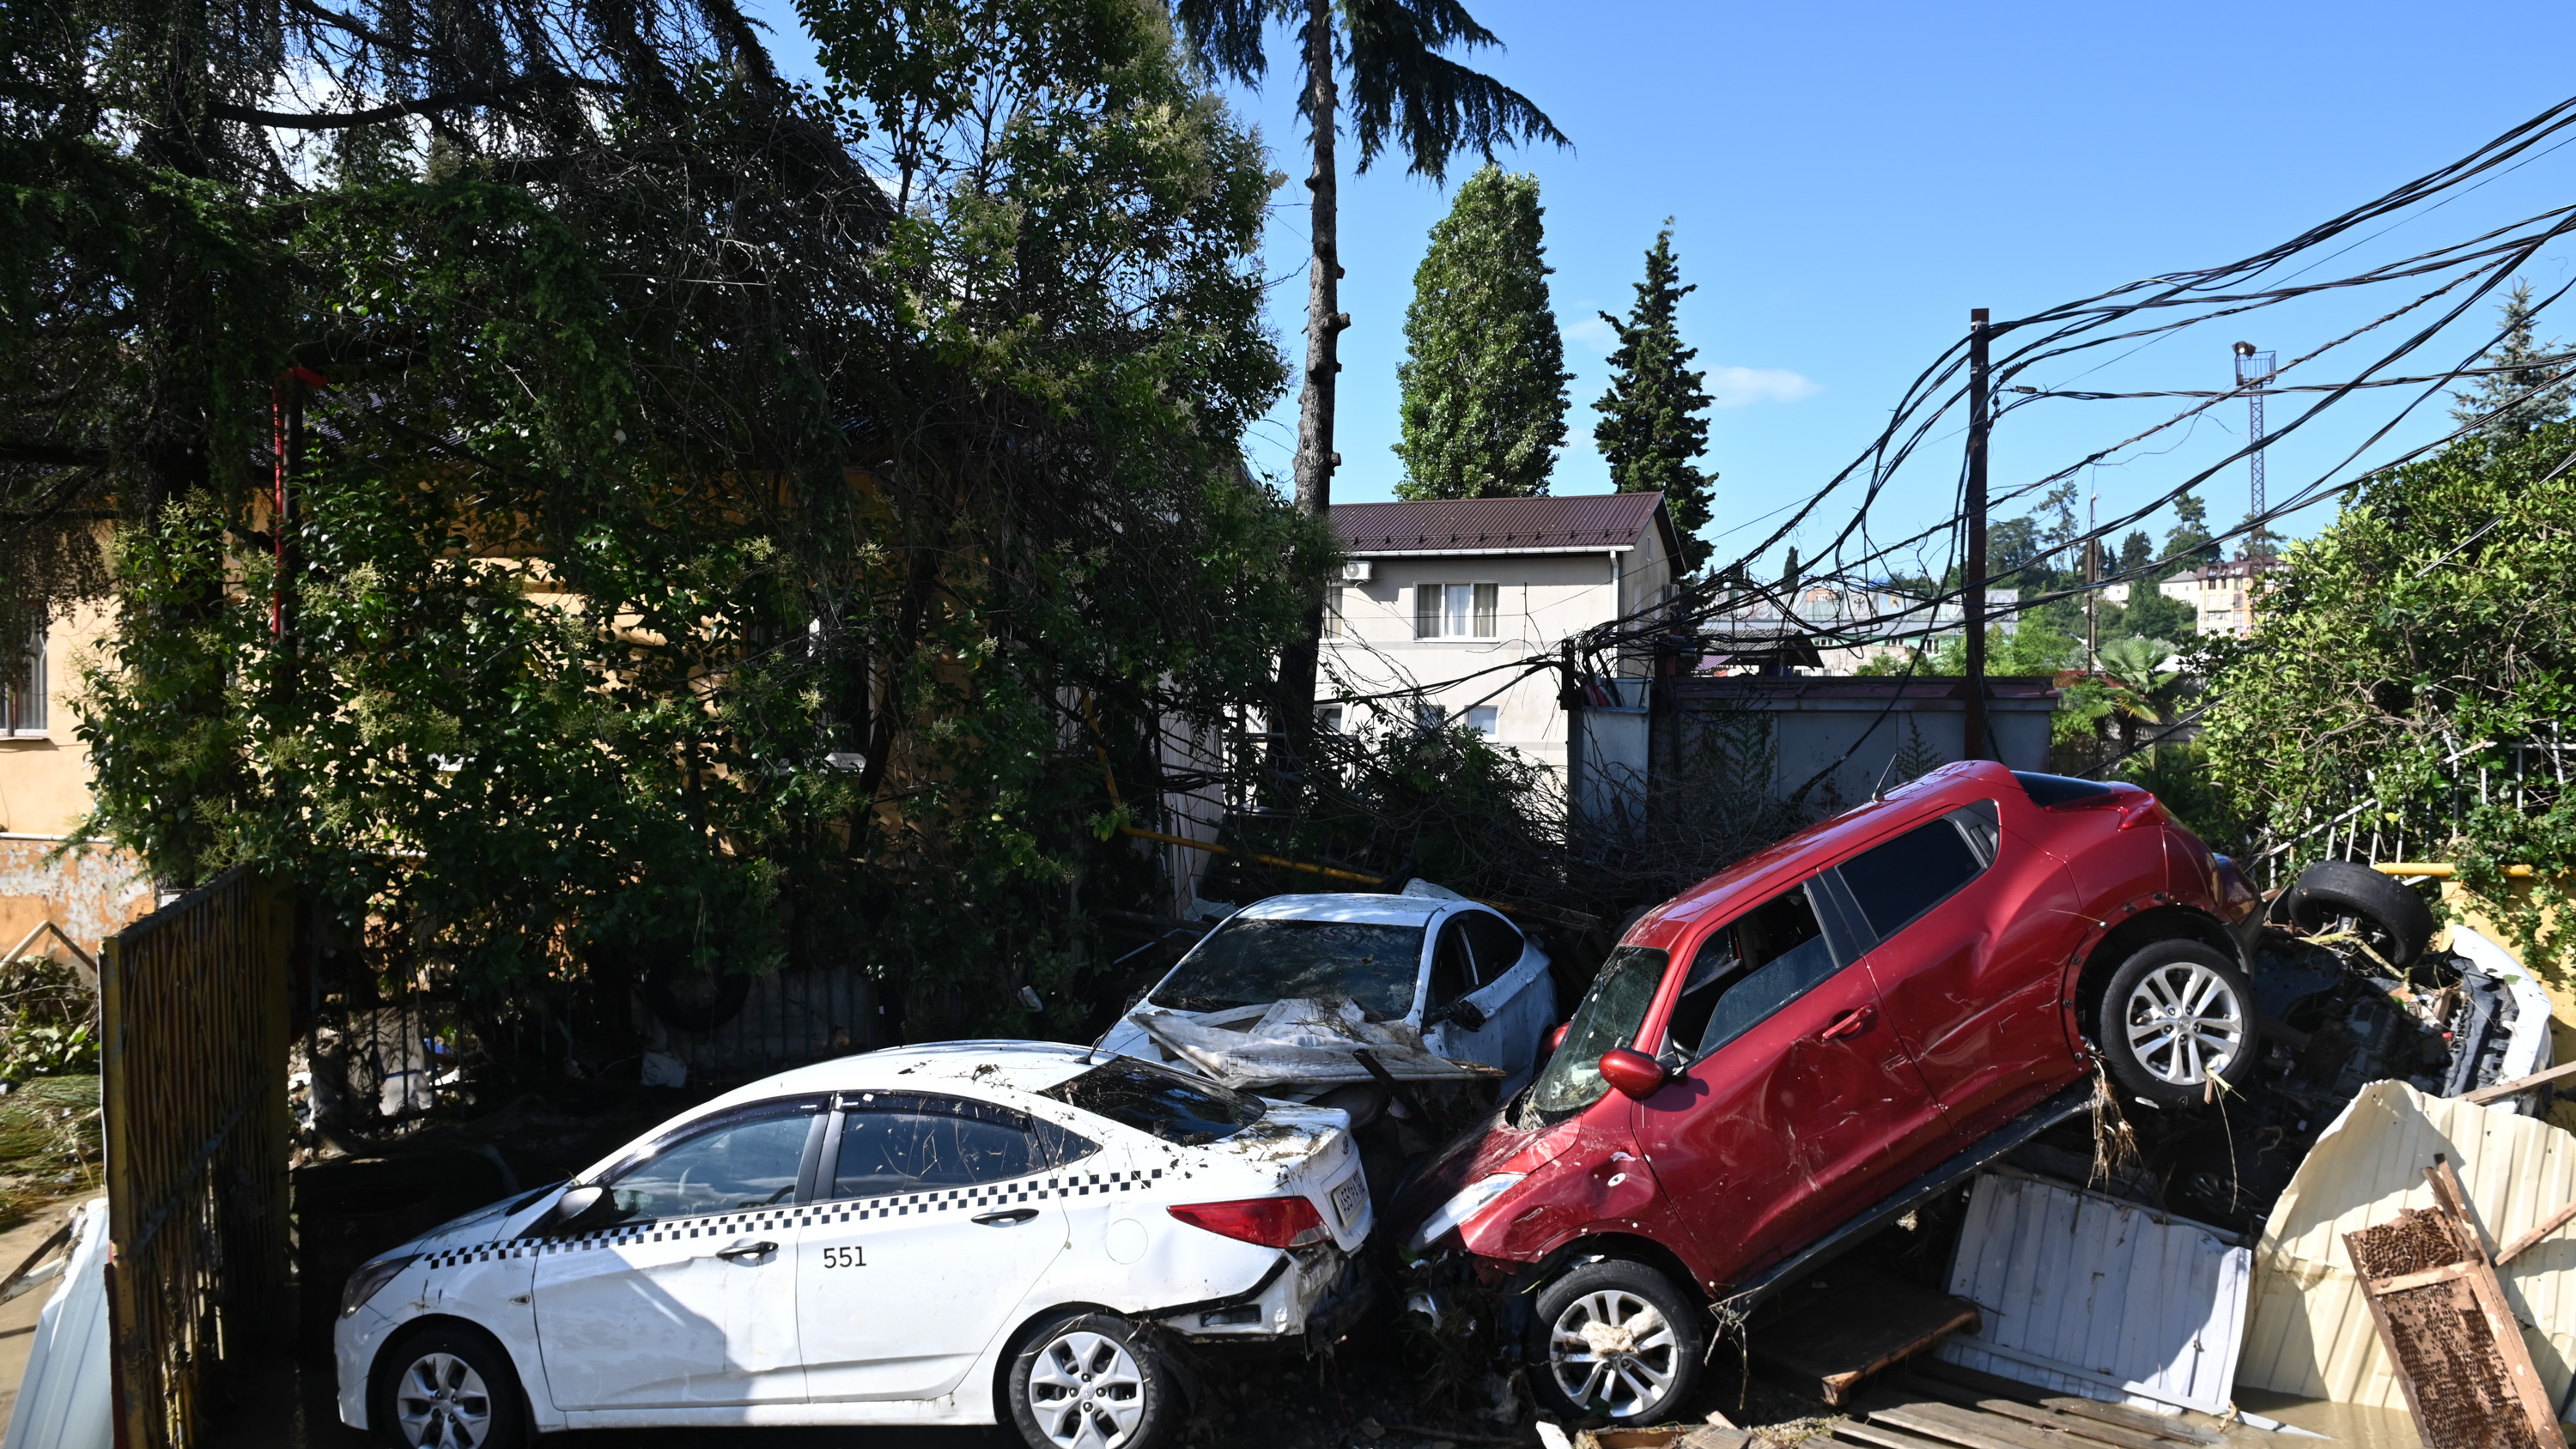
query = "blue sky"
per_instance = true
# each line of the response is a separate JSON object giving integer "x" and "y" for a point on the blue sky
{"x": 1846, "y": 181}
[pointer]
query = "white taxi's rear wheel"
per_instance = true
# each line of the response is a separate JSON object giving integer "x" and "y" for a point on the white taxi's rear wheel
{"x": 1615, "y": 1340}
{"x": 447, "y": 1388}
{"x": 1090, "y": 1381}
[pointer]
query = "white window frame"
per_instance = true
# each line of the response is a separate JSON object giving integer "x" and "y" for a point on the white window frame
{"x": 1336, "y": 620}
{"x": 1486, "y": 720}
{"x": 1468, "y": 610}
{"x": 24, "y": 690}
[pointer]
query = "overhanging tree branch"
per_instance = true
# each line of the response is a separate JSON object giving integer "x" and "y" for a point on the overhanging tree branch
{"x": 443, "y": 101}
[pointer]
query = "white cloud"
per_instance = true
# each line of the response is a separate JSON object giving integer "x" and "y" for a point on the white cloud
{"x": 1592, "y": 335}
{"x": 1733, "y": 387}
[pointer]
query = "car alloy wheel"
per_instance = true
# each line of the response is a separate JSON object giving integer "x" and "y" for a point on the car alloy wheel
{"x": 441, "y": 1403}
{"x": 1086, "y": 1391}
{"x": 1612, "y": 1352}
{"x": 2186, "y": 1023}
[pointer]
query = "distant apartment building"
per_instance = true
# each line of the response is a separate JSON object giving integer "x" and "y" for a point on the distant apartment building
{"x": 1461, "y": 596}
{"x": 1835, "y": 628}
{"x": 2222, "y": 595}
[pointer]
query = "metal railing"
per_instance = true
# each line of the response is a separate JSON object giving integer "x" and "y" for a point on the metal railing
{"x": 2529, "y": 773}
{"x": 193, "y": 1072}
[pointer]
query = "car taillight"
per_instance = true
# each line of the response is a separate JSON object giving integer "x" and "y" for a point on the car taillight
{"x": 1273, "y": 1222}
{"x": 2140, "y": 811}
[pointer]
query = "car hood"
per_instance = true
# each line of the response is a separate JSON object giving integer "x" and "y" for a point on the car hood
{"x": 487, "y": 1224}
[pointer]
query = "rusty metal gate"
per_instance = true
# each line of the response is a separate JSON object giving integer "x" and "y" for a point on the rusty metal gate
{"x": 193, "y": 1071}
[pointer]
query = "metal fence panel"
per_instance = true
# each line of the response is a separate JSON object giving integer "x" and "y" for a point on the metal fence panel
{"x": 193, "y": 1069}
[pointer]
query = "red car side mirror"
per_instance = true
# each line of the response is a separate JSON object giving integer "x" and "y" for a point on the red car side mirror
{"x": 1632, "y": 1072}
{"x": 1556, "y": 1038}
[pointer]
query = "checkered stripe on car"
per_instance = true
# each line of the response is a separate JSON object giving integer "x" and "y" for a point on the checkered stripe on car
{"x": 987, "y": 1197}
{"x": 964, "y": 1200}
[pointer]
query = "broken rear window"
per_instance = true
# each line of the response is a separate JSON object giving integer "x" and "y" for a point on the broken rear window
{"x": 1156, "y": 1100}
{"x": 1253, "y": 962}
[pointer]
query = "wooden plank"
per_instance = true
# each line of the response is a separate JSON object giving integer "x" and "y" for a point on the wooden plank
{"x": 1963, "y": 1426}
{"x": 2488, "y": 1290}
{"x": 1879, "y": 1436}
{"x": 2425, "y": 1279}
{"x": 1850, "y": 1322}
{"x": 1969, "y": 1398}
{"x": 2124, "y": 1416}
{"x": 2551, "y": 1224}
{"x": 2519, "y": 1085}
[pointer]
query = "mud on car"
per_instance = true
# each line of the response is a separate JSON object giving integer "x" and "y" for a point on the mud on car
{"x": 1806, "y": 1036}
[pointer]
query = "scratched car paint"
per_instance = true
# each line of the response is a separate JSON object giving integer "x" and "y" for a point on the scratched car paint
{"x": 877, "y": 1239}
{"x": 1787, "y": 1045}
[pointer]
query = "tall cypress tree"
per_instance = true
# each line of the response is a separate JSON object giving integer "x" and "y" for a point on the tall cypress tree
{"x": 1484, "y": 377}
{"x": 1652, "y": 419}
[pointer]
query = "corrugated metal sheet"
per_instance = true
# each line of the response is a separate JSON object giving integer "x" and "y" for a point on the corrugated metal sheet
{"x": 2311, "y": 1333}
{"x": 2090, "y": 1295}
{"x": 1598, "y": 520}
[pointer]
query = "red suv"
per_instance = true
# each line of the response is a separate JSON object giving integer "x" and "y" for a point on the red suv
{"x": 1820, "y": 1029}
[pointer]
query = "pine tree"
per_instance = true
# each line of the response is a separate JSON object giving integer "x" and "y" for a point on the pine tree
{"x": 2497, "y": 405}
{"x": 1484, "y": 375}
{"x": 2136, "y": 551}
{"x": 1651, "y": 424}
{"x": 2187, "y": 544}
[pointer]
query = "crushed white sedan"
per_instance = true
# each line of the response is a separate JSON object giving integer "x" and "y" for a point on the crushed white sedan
{"x": 1328, "y": 996}
{"x": 966, "y": 1233}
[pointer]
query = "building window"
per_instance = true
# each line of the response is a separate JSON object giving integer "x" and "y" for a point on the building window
{"x": 1457, "y": 611}
{"x": 22, "y": 700}
{"x": 1333, "y": 627}
{"x": 1483, "y": 719}
{"x": 1328, "y": 718}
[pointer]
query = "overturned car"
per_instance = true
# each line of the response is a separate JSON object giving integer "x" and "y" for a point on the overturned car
{"x": 1816, "y": 1033}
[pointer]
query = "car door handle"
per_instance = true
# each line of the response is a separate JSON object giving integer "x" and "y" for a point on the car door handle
{"x": 1850, "y": 1023}
{"x": 1006, "y": 1219}
{"x": 746, "y": 1249}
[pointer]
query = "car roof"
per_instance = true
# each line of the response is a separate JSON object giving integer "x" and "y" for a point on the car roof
{"x": 947, "y": 1066}
{"x": 1954, "y": 784}
{"x": 1358, "y": 906}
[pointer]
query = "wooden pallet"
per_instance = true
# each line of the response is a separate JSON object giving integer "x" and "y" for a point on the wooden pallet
{"x": 1960, "y": 1409}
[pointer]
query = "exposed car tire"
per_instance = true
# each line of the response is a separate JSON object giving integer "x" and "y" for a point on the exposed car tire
{"x": 447, "y": 1387}
{"x": 1615, "y": 1339}
{"x": 2175, "y": 1019}
{"x": 1091, "y": 1381}
{"x": 2390, "y": 918}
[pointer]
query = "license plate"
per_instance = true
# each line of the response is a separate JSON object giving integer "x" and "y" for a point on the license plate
{"x": 1350, "y": 1199}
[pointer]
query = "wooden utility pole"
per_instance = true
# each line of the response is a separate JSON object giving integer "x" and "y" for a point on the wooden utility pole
{"x": 1974, "y": 612}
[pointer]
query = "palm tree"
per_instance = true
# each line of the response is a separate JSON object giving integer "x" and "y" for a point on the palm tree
{"x": 1404, "y": 93}
{"x": 2141, "y": 687}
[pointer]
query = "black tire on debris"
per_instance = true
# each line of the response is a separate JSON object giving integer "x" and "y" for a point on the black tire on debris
{"x": 2390, "y": 918}
{"x": 446, "y": 1384}
{"x": 1615, "y": 1339}
{"x": 1094, "y": 1380}
{"x": 2177, "y": 1023}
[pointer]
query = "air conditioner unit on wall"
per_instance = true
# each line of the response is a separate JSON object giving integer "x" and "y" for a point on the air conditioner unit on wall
{"x": 1356, "y": 570}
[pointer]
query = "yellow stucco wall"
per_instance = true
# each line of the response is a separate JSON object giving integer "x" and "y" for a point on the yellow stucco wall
{"x": 44, "y": 780}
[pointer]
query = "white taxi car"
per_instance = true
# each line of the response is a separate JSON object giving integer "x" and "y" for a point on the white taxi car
{"x": 966, "y": 1233}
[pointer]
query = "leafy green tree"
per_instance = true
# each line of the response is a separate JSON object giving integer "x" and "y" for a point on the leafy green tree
{"x": 1407, "y": 92}
{"x": 2136, "y": 551}
{"x": 1653, "y": 429}
{"x": 1484, "y": 376}
{"x": 2187, "y": 543}
{"x": 2531, "y": 384}
{"x": 2152, "y": 615}
{"x": 2426, "y": 620}
{"x": 701, "y": 550}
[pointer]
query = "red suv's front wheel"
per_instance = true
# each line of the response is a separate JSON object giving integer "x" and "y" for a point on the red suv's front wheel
{"x": 1615, "y": 1339}
{"x": 2177, "y": 1023}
